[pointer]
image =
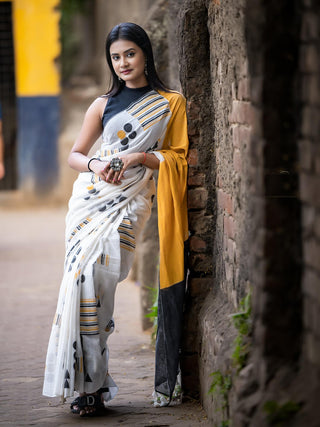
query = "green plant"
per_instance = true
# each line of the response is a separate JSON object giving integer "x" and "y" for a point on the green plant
{"x": 277, "y": 414}
{"x": 220, "y": 386}
{"x": 153, "y": 315}
{"x": 242, "y": 322}
{"x": 70, "y": 42}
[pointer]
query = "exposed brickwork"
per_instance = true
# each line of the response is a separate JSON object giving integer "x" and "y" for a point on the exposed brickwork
{"x": 309, "y": 152}
{"x": 254, "y": 179}
{"x": 220, "y": 123}
{"x": 197, "y": 88}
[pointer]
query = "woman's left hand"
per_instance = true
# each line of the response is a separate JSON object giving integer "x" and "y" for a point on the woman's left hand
{"x": 132, "y": 159}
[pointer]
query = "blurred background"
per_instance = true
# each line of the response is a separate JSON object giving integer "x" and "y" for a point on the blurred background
{"x": 52, "y": 67}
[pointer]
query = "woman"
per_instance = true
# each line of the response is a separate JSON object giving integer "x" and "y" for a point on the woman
{"x": 143, "y": 128}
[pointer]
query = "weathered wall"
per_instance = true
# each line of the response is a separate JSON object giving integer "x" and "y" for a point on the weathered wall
{"x": 309, "y": 168}
{"x": 253, "y": 109}
{"x": 220, "y": 117}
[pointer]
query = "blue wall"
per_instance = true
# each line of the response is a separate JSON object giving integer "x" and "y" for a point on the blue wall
{"x": 38, "y": 132}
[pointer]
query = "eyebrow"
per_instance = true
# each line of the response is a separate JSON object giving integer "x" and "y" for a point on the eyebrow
{"x": 131, "y": 48}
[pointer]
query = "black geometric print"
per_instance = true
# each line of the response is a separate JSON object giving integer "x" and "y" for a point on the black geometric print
{"x": 127, "y": 127}
{"x": 88, "y": 379}
{"x": 124, "y": 141}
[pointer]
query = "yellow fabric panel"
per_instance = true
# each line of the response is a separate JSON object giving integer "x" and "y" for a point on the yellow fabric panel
{"x": 36, "y": 44}
{"x": 172, "y": 194}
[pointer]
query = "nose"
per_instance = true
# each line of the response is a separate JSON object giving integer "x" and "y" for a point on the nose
{"x": 123, "y": 61}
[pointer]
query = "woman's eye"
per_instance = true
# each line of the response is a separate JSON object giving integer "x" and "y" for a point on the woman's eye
{"x": 115, "y": 58}
{"x": 130, "y": 54}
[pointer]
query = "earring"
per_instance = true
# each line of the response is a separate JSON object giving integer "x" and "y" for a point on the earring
{"x": 120, "y": 79}
{"x": 146, "y": 68}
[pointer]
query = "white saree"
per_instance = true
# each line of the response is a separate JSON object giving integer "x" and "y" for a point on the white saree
{"x": 102, "y": 225}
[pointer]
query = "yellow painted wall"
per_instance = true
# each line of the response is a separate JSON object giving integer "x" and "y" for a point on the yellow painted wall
{"x": 36, "y": 44}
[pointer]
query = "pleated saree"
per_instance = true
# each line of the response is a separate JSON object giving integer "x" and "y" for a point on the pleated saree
{"x": 102, "y": 227}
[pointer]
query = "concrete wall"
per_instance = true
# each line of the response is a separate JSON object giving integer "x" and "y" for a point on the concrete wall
{"x": 37, "y": 91}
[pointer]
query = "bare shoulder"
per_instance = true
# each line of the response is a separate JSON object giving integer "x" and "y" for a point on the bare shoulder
{"x": 97, "y": 106}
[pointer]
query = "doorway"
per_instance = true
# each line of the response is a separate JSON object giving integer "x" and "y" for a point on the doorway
{"x": 8, "y": 96}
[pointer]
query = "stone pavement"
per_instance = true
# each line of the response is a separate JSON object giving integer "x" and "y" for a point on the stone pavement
{"x": 31, "y": 261}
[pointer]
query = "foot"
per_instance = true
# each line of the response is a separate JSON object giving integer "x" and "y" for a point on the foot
{"x": 87, "y": 404}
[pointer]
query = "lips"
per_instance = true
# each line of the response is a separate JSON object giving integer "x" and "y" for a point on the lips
{"x": 125, "y": 72}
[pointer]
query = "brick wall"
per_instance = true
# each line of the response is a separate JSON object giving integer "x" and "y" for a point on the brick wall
{"x": 216, "y": 83}
{"x": 309, "y": 154}
{"x": 309, "y": 151}
{"x": 250, "y": 72}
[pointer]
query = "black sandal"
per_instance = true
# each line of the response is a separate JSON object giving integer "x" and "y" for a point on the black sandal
{"x": 74, "y": 403}
{"x": 91, "y": 401}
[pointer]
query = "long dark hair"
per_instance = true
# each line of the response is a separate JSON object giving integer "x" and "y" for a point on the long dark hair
{"x": 136, "y": 34}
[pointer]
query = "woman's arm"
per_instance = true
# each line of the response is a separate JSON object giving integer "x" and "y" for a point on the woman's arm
{"x": 147, "y": 159}
{"x": 90, "y": 131}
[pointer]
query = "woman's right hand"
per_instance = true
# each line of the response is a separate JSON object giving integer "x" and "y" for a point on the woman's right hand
{"x": 100, "y": 168}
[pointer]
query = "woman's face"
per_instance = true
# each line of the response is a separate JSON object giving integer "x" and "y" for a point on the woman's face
{"x": 128, "y": 62}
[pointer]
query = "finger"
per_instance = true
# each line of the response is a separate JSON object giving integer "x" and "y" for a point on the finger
{"x": 121, "y": 174}
{"x": 116, "y": 177}
{"x": 107, "y": 167}
{"x": 109, "y": 176}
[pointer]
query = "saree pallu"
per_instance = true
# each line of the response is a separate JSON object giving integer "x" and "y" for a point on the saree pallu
{"x": 102, "y": 225}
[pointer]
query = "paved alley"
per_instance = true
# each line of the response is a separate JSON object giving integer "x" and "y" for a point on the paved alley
{"x": 31, "y": 262}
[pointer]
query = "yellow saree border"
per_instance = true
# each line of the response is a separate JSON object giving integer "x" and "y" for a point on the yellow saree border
{"x": 172, "y": 194}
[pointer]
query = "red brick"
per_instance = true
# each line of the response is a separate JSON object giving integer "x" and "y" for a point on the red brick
{"x": 236, "y": 135}
{"x": 237, "y": 160}
{"x": 244, "y": 67}
{"x": 196, "y": 179}
{"x": 243, "y": 89}
{"x": 193, "y": 157}
{"x": 229, "y": 272}
{"x": 317, "y": 228}
{"x": 310, "y": 27}
{"x": 241, "y": 112}
{"x": 231, "y": 250}
{"x": 193, "y": 111}
{"x": 197, "y": 198}
{"x": 197, "y": 244}
{"x": 309, "y": 58}
{"x": 305, "y": 155}
{"x": 199, "y": 286}
{"x": 229, "y": 226}
{"x": 312, "y": 253}
{"x": 308, "y": 219}
{"x": 312, "y": 315}
{"x": 201, "y": 263}
{"x": 199, "y": 223}
{"x": 317, "y": 165}
{"x": 310, "y": 122}
{"x": 193, "y": 129}
{"x": 310, "y": 89}
{"x": 225, "y": 201}
{"x": 311, "y": 284}
{"x": 240, "y": 135}
{"x": 219, "y": 181}
{"x": 313, "y": 348}
{"x": 309, "y": 189}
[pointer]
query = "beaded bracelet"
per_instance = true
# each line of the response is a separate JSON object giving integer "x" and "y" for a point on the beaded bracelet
{"x": 92, "y": 158}
{"x": 144, "y": 158}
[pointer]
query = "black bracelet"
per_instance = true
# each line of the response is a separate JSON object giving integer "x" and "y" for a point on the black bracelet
{"x": 92, "y": 158}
